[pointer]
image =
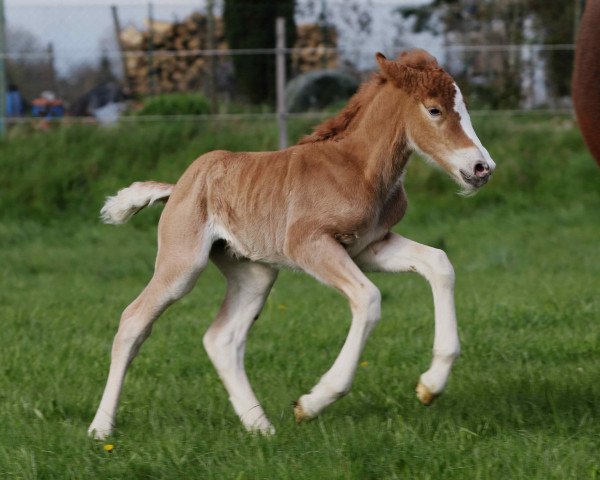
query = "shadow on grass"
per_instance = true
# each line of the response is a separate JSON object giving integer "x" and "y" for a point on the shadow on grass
{"x": 564, "y": 405}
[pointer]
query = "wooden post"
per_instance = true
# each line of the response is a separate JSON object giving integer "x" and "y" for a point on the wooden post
{"x": 151, "y": 77}
{"x": 212, "y": 59}
{"x": 280, "y": 81}
{"x": 51, "y": 70}
{"x": 2, "y": 73}
{"x": 117, "y": 27}
{"x": 324, "y": 32}
{"x": 578, "y": 10}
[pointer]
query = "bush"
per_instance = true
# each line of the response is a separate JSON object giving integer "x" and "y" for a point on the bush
{"x": 176, "y": 104}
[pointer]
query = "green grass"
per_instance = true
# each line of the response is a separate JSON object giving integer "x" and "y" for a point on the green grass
{"x": 522, "y": 401}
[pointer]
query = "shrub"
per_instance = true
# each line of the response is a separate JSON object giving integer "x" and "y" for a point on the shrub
{"x": 175, "y": 104}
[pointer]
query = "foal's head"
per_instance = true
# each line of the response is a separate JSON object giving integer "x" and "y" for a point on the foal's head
{"x": 436, "y": 118}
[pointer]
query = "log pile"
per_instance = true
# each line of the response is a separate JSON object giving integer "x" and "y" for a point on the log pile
{"x": 313, "y": 40}
{"x": 172, "y": 62}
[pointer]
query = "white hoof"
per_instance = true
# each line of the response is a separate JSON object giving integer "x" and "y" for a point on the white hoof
{"x": 261, "y": 426}
{"x": 99, "y": 432}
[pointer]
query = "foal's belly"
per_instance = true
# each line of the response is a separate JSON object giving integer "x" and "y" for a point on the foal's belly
{"x": 263, "y": 235}
{"x": 260, "y": 246}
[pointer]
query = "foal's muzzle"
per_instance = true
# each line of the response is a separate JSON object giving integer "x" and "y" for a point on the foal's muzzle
{"x": 479, "y": 176}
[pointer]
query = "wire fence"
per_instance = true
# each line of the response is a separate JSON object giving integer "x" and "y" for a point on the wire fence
{"x": 100, "y": 62}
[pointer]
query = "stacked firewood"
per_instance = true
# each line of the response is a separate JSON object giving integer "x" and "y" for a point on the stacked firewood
{"x": 171, "y": 62}
{"x": 165, "y": 57}
{"x": 313, "y": 42}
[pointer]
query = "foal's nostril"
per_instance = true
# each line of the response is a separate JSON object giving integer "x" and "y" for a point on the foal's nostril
{"x": 482, "y": 169}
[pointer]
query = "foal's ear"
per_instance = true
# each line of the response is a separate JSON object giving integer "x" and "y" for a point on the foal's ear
{"x": 417, "y": 58}
{"x": 389, "y": 68}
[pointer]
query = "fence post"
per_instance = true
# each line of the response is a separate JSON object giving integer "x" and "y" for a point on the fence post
{"x": 212, "y": 59}
{"x": 51, "y": 70}
{"x": 280, "y": 81}
{"x": 117, "y": 28}
{"x": 578, "y": 10}
{"x": 151, "y": 77}
{"x": 531, "y": 93}
{"x": 2, "y": 72}
{"x": 324, "y": 33}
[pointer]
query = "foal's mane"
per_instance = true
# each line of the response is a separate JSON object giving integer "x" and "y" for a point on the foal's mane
{"x": 332, "y": 128}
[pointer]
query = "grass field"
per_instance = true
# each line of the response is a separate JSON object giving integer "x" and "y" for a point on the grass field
{"x": 523, "y": 398}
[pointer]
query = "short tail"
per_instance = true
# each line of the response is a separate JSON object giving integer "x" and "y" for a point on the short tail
{"x": 128, "y": 201}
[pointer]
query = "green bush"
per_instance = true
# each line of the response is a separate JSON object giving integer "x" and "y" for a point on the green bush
{"x": 176, "y": 104}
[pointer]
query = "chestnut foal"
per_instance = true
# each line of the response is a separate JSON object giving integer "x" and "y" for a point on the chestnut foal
{"x": 324, "y": 206}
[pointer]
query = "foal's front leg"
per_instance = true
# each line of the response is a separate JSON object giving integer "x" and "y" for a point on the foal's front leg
{"x": 398, "y": 254}
{"x": 327, "y": 260}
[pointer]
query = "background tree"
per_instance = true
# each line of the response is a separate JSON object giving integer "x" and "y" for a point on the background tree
{"x": 252, "y": 25}
{"x": 30, "y": 67}
{"x": 491, "y": 79}
{"x": 496, "y": 78}
{"x": 82, "y": 78}
{"x": 352, "y": 23}
{"x": 554, "y": 23}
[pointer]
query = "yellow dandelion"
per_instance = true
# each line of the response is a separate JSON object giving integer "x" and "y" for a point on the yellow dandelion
{"x": 281, "y": 306}
{"x": 364, "y": 363}
{"x": 108, "y": 447}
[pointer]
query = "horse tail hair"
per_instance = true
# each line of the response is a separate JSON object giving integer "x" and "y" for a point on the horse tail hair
{"x": 128, "y": 201}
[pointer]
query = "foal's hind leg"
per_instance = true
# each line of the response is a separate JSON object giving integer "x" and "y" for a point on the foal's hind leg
{"x": 248, "y": 285}
{"x": 182, "y": 256}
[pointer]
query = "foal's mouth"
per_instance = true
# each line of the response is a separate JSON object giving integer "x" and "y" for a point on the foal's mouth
{"x": 474, "y": 180}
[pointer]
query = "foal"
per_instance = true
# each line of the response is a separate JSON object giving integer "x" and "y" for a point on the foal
{"x": 324, "y": 206}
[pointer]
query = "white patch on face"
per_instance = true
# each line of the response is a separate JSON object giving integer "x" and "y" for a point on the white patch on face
{"x": 465, "y": 123}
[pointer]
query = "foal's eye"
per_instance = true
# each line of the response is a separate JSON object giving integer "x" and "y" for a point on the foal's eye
{"x": 434, "y": 112}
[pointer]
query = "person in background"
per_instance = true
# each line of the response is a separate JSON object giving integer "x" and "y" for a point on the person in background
{"x": 14, "y": 102}
{"x": 47, "y": 106}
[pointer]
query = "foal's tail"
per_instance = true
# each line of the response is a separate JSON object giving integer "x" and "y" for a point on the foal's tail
{"x": 128, "y": 201}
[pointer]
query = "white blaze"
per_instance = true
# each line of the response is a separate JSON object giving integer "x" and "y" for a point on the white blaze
{"x": 465, "y": 123}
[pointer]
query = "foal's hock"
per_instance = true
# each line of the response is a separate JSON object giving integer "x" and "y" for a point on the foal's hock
{"x": 325, "y": 206}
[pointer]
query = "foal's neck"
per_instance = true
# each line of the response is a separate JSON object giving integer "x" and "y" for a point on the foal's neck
{"x": 379, "y": 141}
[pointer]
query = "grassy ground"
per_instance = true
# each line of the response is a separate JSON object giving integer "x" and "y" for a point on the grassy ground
{"x": 522, "y": 402}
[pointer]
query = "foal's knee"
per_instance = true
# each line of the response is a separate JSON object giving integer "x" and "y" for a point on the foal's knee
{"x": 368, "y": 302}
{"x": 213, "y": 342}
{"x": 220, "y": 342}
{"x": 132, "y": 332}
{"x": 442, "y": 271}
